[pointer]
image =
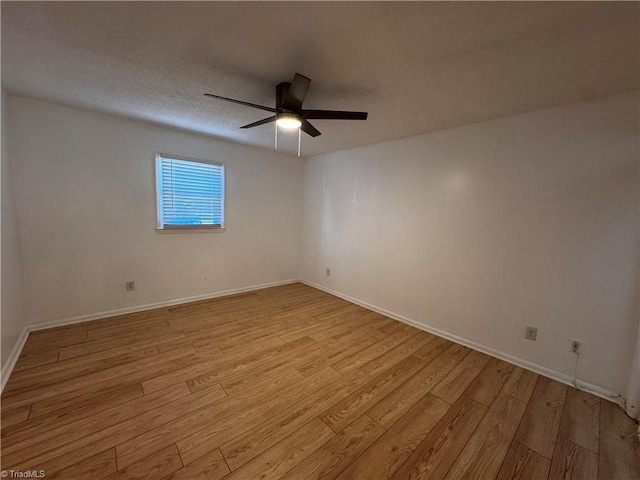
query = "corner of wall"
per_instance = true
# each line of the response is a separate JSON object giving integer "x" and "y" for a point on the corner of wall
{"x": 481, "y": 227}
{"x": 13, "y": 331}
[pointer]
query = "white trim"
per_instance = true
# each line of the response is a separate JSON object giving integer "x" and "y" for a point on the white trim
{"x": 546, "y": 372}
{"x": 553, "y": 374}
{"x": 7, "y": 368}
{"x": 196, "y": 229}
{"x": 160, "y": 225}
{"x": 151, "y": 306}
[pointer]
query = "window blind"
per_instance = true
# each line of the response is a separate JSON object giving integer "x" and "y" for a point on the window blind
{"x": 189, "y": 193}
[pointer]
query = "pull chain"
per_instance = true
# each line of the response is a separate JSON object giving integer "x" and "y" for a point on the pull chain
{"x": 299, "y": 139}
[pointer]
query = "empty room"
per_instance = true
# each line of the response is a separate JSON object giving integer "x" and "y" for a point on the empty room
{"x": 320, "y": 240}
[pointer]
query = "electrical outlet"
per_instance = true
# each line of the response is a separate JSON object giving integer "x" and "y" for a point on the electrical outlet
{"x": 531, "y": 333}
{"x": 576, "y": 347}
{"x": 328, "y": 272}
{"x": 131, "y": 286}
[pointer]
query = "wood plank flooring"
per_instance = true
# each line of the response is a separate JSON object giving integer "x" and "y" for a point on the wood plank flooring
{"x": 293, "y": 383}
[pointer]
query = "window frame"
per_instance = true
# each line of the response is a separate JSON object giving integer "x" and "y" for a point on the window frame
{"x": 163, "y": 228}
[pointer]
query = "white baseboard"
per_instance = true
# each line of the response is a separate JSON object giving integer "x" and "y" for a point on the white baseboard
{"x": 7, "y": 368}
{"x": 546, "y": 372}
{"x": 151, "y": 306}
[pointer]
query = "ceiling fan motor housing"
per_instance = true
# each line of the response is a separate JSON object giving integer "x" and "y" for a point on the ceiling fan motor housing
{"x": 281, "y": 94}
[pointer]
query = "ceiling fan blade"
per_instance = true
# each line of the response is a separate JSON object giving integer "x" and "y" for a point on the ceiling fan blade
{"x": 309, "y": 129}
{"x": 268, "y": 109}
{"x": 333, "y": 115}
{"x": 260, "y": 122}
{"x": 296, "y": 92}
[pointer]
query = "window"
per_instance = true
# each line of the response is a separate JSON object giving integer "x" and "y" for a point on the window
{"x": 190, "y": 193}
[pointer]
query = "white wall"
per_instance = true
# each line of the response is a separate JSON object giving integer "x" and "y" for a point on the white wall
{"x": 476, "y": 231}
{"x": 481, "y": 230}
{"x": 11, "y": 312}
{"x": 85, "y": 197}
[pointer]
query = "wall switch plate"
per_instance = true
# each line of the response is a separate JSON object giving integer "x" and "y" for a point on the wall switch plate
{"x": 328, "y": 272}
{"x": 131, "y": 286}
{"x": 575, "y": 347}
{"x": 531, "y": 333}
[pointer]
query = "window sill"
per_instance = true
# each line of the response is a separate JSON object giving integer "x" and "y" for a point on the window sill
{"x": 194, "y": 229}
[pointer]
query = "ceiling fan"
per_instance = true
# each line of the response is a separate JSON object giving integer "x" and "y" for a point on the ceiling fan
{"x": 288, "y": 110}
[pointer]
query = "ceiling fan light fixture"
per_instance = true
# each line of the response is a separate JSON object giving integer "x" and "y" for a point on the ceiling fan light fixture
{"x": 288, "y": 121}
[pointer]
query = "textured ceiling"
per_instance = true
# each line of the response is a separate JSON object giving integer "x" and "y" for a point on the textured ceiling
{"x": 415, "y": 66}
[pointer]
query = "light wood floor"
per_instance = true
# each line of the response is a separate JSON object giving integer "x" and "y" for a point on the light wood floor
{"x": 293, "y": 383}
